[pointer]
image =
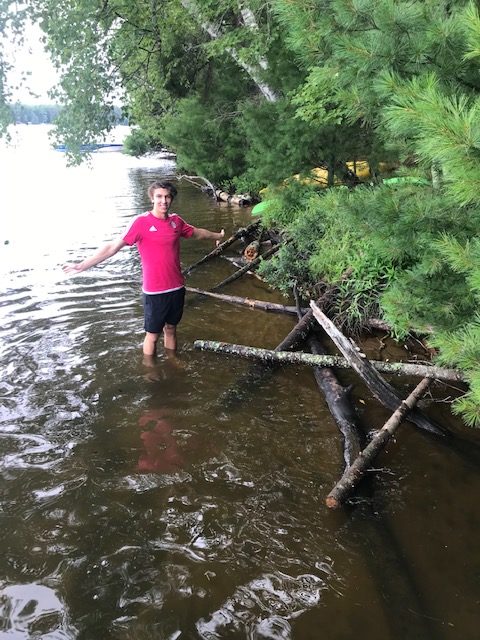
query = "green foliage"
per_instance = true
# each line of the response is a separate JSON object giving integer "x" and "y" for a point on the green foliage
{"x": 328, "y": 247}
{"x": 198, "y": 131}
{"x": 137, "y": 143}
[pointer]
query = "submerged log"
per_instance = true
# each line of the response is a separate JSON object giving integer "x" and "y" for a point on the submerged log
{"x": 222, "y": 246}
{"x": 381, "y": 389}
{"x": 338, "y": 401}
{"x": 252, "y": 378}
{"x": 262, "y": 305}
{"x": 251, "y": 265}
{"x": 319, "y": 360}
{"x": 336, "y": 396}
{"x": 356, "y": 472}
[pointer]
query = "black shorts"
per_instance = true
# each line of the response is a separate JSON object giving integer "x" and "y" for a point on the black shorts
{"x": 163, "y": 308}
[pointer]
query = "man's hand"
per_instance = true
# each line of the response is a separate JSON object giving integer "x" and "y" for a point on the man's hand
{"x": 222, "y": 235}
{"x": 72, "y": 267}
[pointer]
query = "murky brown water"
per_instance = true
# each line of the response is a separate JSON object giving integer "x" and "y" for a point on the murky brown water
{"x": 136, "y": 503}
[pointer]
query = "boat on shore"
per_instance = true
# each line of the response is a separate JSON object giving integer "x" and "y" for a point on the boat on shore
{"x": 96, "y": 146}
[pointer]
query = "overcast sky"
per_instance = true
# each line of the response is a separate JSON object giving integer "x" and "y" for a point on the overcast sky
{"x": 31, "y": 58}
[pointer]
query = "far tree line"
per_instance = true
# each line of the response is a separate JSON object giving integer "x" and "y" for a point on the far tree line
{"x": 48, "y": 113}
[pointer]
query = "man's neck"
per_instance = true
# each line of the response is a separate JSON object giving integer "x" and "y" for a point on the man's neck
{"x": 160, "y": 214}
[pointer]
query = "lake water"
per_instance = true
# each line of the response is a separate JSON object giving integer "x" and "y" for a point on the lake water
{"x": 137, "y": 503}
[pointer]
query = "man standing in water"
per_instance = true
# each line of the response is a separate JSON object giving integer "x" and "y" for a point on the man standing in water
{"x": 157, "y": 235}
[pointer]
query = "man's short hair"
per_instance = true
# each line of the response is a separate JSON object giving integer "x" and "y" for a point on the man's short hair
{"x": 162, "y": 184}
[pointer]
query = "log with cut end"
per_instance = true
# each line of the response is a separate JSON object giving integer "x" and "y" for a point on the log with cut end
{"x": 295, "y": 357}
{"x": 356, "y": 471}
{"x": 241, "y": 199}
{"x": 222, "y": 246}
{"x": 251, "y": 265}
{"x": 380, "y": 388}
{"x": 252, "y": 250}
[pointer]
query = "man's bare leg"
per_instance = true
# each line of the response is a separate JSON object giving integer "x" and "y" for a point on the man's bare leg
{"x": 170, "y": 337}
{"x": 150, "y": 343}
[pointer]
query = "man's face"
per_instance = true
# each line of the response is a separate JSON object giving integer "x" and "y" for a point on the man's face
{"x": 162, "y": 199}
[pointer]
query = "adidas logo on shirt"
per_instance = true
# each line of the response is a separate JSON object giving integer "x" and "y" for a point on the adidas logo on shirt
{"x": 153, "y": 228}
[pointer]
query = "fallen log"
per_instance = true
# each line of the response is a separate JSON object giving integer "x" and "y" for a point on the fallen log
{"x": 356, "y": 471}
{"x": 381, "y": 389}
{"x": 262, "y": 305}
{"x": 222, "y": 246}
{"x": 319, "y": 360}
{"x": 241, "y": 199}
{"x": 336, "y": 396}
{"x": 193, "y": 179}
{"x": 274, "y": 307}
{"x": 248, "y": 267}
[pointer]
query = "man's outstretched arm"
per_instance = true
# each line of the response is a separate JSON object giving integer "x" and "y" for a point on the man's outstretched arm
{"x": 205, "y": 234}
{"x": 105, "y": 252}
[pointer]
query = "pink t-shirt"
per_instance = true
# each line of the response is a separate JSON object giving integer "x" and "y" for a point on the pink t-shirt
{"x": 158, "y": 242}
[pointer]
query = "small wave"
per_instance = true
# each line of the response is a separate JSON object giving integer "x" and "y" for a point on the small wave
{"x": 34, "y": 610}
{"x": 263, "y": 607}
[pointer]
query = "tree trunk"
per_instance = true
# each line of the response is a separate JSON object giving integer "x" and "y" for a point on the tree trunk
{"x": 355, "y": 473}
{"x": 324, "y": 360}
{"x": 214, "y": 32}
{"x": 263, "y": 305}
{"x": 221, "y": 247}
{"x": 336, "y": 396}
{"x": 383, "y": 391}
{"x": 247, "y": 267}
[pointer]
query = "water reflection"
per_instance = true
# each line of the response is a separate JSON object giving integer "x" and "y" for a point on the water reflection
{"x": 161, "y": 452}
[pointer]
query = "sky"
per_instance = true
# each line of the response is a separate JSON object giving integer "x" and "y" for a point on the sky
{"x": 32, "y": 58}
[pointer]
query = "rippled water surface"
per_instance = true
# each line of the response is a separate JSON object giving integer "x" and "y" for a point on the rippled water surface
{"x": 139, "y": 500}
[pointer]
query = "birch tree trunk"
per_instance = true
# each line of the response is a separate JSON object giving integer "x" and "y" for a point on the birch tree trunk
{"x": 215, "y": 33}
{"x": 316, "y": 360}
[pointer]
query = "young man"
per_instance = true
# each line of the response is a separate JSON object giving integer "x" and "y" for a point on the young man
{"x": 157, "y": 236}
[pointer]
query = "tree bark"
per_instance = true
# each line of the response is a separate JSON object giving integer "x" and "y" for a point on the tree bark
{"x": 248, "y": 267}
{"x": 383, "y": 391}
{"x": 324, "y": 360}
{"x": 356, "y": 472}
{"x": 221, "y": 247}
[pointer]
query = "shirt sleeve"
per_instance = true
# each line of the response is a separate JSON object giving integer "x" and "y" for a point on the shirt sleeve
{"x": 186, "y": 229}
{"x": 131, "y": 235}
